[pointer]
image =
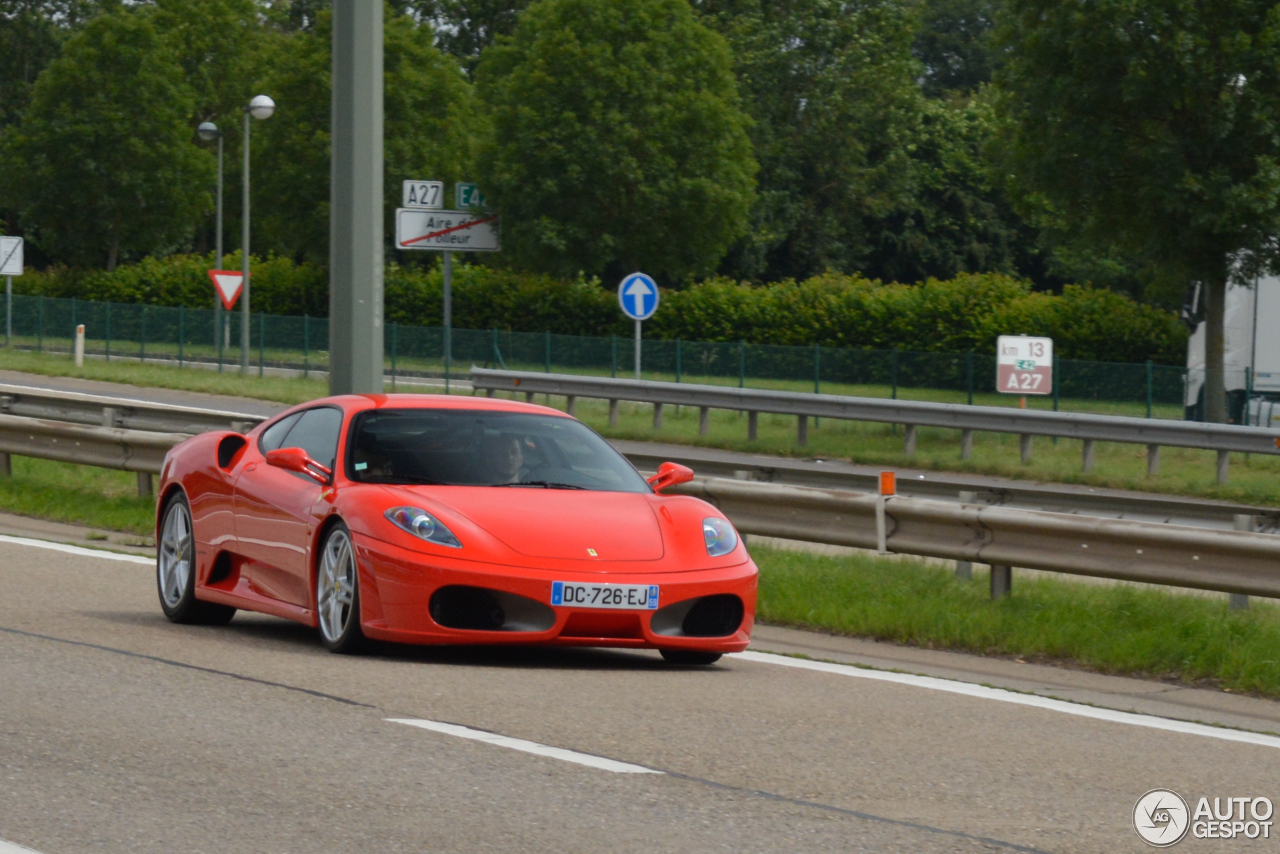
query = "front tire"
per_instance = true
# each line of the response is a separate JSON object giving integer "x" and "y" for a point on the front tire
{"x": 689, "y": 656}
{"x": 176, "y": 570}
{"x": 338, "y": 594}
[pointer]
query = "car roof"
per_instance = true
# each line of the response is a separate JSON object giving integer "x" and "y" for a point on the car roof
{"x": 359, "y": 402}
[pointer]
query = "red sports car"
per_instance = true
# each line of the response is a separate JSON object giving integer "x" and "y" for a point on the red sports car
{"x": 432, "y": 519}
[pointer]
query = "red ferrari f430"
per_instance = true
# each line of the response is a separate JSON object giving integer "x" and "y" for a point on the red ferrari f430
{"x": 441, "y": 520}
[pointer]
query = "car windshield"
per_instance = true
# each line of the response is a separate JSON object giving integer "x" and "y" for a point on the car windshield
{"x": 452, "y": 447}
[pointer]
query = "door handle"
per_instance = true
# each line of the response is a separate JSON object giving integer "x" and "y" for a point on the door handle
{"x": 250, "y": 467}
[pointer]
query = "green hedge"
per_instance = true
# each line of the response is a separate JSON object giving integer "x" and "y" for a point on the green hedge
{"x": 965, "y": 313}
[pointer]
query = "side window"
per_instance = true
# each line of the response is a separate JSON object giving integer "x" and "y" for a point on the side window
{"x": 274, "y": 435}
{"x": 316, "y": 432}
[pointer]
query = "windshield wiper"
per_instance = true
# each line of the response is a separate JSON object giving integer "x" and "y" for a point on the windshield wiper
{"x": 545, "y": 484}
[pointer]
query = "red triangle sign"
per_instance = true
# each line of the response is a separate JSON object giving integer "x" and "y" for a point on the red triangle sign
{"x": 227, "y": 283}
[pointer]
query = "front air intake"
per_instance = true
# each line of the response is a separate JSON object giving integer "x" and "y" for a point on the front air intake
{"x": 713, "y": 617}
{"x": 458, "y": 607}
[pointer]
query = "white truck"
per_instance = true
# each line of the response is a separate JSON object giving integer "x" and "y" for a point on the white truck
{"x": 1252, "y": 357}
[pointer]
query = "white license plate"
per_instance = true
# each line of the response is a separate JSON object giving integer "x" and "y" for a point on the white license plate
{"x": 628, "y": 597}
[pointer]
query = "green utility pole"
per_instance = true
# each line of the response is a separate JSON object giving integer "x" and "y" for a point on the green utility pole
{"x": 355, "y": 210}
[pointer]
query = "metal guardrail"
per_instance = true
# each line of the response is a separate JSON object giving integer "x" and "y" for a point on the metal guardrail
{"x": 79, "y": 408}
{"x": 955, "y": 487}
{"x": 110, "y": 432}
{"x": 108, "y": 447}
{"x": 1228, "y": 561}
{"x": 1154, "y": 433}
{"x": 1232, "y": 561}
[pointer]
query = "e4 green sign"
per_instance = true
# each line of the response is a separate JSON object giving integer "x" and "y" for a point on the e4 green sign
{"x": 469, "y": 196}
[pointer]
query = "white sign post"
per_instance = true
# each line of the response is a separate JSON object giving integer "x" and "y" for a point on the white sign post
{"x": 421, "y": 225}
{"x": 638, "y": 297}
{"x": 10, "y": 266}
{"x": 1024, "y": 365}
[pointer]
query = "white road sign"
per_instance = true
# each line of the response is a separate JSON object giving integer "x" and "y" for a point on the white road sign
{"x": 427, "y": 195}
{"x": 458, "y": 231}
{"x": 469, "y": 195}
{"x": 10, "y": 256}
{"x": 1024, "y": 365}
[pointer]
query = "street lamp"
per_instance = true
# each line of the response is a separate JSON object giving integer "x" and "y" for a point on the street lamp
{"x": 208, "y": 131}
{"x": 261, "y": 107}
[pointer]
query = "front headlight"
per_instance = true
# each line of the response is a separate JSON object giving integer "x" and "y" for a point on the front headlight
{"x": 719, "y": 536}
{"x": 423, "y": 525}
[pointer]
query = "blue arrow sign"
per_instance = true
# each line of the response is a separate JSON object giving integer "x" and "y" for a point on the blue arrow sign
{"x": 638, "y": 296}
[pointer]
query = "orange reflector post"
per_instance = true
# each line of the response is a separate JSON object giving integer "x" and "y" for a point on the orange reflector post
{"x": 888, "y": 481}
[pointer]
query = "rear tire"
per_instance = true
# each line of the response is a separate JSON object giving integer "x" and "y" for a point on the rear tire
{"x": 689, "y": 656}
{"x": 176, "y": 570}
{"x": 338, "y": 594}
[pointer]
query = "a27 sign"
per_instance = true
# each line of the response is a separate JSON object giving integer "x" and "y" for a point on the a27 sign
{"x": 1024, "y": 365}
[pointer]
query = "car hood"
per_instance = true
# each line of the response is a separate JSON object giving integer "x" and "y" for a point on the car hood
{"x": 565, "y": 524}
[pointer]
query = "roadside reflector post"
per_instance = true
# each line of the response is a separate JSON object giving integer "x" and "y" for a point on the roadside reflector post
{"x": 613, "y": 413}
{"x": 704, "y": 422}
{"x": 964, "y": 568}
{"x": 888, "y": 487}
{"x": 1239, "y": 601}
{"x": 752, "y": 426}
{"x": 1153, "y": 460}
{"x": 6, "y": 466}
{"x": 1026, "y": 447}
{"x": 802, "y": 430}
{"x": 80, "y": 346}
{"x": 1001, "y": 581}
{"x": 571, "y": 405}
{"x": 966, "y": 444}
{"x": 145, "y": 489}
{"x": 909, "y": 443}
{"x": 1223, "y": 460}
{"x": 657, "y": 416}
{"x": 1086, "y": 464}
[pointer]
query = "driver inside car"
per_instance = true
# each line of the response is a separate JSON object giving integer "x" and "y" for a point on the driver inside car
{"x": 502, "y": 456}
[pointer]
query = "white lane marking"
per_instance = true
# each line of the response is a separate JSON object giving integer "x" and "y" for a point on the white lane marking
{"x": 1004, "y": 696}
{"x": 526, "y": 746}
{"x": 11, "y": 848}
{"x": 75, "y": 550}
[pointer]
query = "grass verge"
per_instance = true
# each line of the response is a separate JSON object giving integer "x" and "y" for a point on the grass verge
{"x": 1117, "y": 629}
{"x": 83, "y": 495}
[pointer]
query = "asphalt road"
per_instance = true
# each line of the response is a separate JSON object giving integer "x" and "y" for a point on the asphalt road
{"x": 120, "y": 732}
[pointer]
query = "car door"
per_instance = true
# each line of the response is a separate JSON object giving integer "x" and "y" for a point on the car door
{"x": 274, "y": 509}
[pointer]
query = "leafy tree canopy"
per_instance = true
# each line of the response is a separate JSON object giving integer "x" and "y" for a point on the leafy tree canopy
{"x": 617, "y": 140}
{"x": 429, "y": 123}
{"x": 103, "y": 163}
{"x": 1153, "y": 126}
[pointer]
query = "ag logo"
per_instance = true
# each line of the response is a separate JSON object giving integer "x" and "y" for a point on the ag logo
{"x": 1161, "y": 818}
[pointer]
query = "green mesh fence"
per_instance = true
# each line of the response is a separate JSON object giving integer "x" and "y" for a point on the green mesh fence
{"x": 205, "y": 338}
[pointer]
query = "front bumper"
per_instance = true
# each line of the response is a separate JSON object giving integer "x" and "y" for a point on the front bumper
{"x": 397, "y": 585}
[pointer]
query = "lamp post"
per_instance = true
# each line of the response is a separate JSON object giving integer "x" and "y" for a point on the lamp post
{"x": 261, "y": 107}
{"x": 208, "y": 131}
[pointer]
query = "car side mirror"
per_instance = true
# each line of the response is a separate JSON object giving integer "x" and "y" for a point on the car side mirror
{"x": 670, "y": 474}
{"x": 296, "y": 459}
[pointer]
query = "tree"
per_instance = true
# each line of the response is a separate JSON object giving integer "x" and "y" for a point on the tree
{"x": 952, "y": 44}
{"x": 465, "y": 28}
{"x": 1154, "y": 126}
{"x": 831, "y": 89}
{"x": 429, "y": 127}
{"x": 103, "y": 164}
{"x": 31, "y": 34}
{"x": 617, "y": 141}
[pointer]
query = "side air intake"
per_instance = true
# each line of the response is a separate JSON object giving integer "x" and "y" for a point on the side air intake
{"x": 708, "y": 617}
